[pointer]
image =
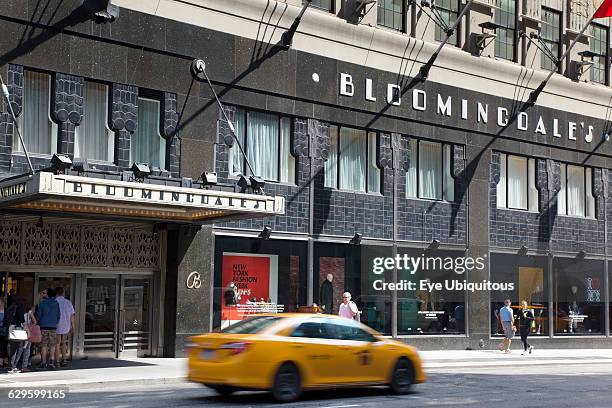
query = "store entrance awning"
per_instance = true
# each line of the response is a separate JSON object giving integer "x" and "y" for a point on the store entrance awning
{"x": 61, "y": 193}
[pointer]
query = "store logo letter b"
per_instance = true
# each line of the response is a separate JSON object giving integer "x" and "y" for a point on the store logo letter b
{"x": 193, "y": 280}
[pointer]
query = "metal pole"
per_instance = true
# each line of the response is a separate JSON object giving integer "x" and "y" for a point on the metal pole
{"x": 425, "y": 71}
{"x": 10, "y": 108}
{"x": 536, "y": 92}
{"x": 229, "y": 122}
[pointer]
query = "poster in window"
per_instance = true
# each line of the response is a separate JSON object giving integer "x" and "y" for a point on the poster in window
{"x": 250, "y": 286}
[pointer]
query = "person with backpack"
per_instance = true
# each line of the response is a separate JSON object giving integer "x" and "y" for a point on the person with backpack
{"x": 348, "y": 308}
{"x": 48, "y": 316}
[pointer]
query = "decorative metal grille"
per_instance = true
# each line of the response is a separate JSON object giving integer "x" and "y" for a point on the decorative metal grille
{"x": 94, "y": 250}
{"x": 10, "y": 243}
{"x": 121, "y": 247}
{"x": 36, "y": 244}
{"x": 63, "y": 243}
{"x": 147, "y": 249}
{"x": 67, "y": 244}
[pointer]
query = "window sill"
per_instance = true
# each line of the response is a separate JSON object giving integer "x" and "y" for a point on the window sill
{"x": 431, "y": 200}
{"x": 523, "y": 210}
{"x": 34, "y": 155}
{"x": 577, "y": 217}
{"x": 341, "y": 190}
{"x": 234, "y": 177}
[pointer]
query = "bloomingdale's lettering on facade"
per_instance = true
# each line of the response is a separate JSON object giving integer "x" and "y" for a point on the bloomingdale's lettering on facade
{"x": 462, "y": 107}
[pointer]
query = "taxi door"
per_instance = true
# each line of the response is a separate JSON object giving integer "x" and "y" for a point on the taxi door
{"x": 362, "y": 357}
{"x": 311, "y": 345}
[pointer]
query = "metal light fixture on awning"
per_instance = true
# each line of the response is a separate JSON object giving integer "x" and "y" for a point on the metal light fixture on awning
{"x": 50, "y": 192}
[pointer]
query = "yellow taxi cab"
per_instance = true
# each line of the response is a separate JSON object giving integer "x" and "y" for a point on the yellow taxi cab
{"x": 289, "y": 353}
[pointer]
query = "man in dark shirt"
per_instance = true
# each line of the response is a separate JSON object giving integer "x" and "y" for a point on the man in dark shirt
{"x": 48, "y": 315}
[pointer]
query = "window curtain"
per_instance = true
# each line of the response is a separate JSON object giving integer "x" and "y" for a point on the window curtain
{"x": 287, "y": 161}
{"x": 352, "y": 159}
{"x": 502, "y": 184}
{"x": 373, "y": 170}
{"x": 430, "y": 170}
{"x": 411, "y": 174}
{"x": 331, "y": 165}
{"x": 93, "y": 139}
{"x": 590, "y": 200}
{"x": 534, "y": 194}
{"x": 147, "y": 144}
{"x": 575, "y": 191}
{"x": 562, "y": 195}
{"x": 449, "y": 181}
{"x": 262, "y": 144}
{"x": 235, "y": 159}
{"x": 517, "y": 182}
{"x": 38, "y": 131}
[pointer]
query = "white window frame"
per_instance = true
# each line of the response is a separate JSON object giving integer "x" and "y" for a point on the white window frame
{"x": 446, "y": 172}
{"x": 533, "y": 195}
{"x": 110, "y": 155}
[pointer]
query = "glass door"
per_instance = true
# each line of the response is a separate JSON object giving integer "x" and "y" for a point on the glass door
{"x": 134, "y": 317}
{"x": 101, "y": 316}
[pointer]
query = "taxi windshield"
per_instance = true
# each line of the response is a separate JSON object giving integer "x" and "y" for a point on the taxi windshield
{"x": 251, "y": 325}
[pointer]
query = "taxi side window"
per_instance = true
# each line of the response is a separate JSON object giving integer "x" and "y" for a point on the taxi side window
{"x": 313, "y": 330}
{"x": 350, "y": 332}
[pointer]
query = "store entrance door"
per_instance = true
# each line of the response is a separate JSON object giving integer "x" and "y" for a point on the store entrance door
{"x": 117, "y": 316}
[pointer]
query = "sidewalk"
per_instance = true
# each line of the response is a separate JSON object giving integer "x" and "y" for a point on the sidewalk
{"x": 97, "y": 373}
{"x": 486, "y": 358}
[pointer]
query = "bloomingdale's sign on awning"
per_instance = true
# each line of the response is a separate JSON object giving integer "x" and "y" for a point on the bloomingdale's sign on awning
{"x": 75, "y": 194}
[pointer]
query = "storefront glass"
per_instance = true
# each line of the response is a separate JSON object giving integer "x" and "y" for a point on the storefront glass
{"x": 343, "y": 268}
{"x": 256, "y": 276}
{"x": 529, "y": 278}
{"x": 578, "y": 296}
{"x": 425, "y": 311}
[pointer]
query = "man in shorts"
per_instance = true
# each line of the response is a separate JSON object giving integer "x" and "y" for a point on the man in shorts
{"x": 48, "y": 315}
{"x": 506, "y": 316}
{"x": 65, "y": 327}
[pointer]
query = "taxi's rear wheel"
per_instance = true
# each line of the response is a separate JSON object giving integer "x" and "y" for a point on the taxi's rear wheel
{"x": 402, "y": 377}
{"x": 287, "y": 384}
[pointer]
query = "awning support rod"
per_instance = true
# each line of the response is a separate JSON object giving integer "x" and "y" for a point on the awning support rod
{"x": 5, "y": 92}
{"x": 199, "y": 67}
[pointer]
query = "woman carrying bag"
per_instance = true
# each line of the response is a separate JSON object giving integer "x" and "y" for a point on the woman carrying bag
{"x": 34, "y": 336}
{"x": 13, "y": 319}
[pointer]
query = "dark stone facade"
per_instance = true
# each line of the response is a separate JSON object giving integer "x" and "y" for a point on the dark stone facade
{"x": 545, "y": 230}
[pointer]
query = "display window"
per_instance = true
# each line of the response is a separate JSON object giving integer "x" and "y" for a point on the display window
{"x": 436, "y": 312}
{"x": 578, "y": 296}
{"x": 527, "y": 279}
{"x": 341, "y": 268}
{"x": 257, "y": 276}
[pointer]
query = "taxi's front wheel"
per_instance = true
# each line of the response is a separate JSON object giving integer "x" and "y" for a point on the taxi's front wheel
{"x": 402, "y": 377}
{"x": 287, "y": 384}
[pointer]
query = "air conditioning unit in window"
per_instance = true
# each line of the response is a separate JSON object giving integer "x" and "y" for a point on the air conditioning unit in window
{"x": 103, "y": 11}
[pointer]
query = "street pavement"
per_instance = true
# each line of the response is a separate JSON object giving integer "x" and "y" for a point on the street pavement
{"x": 552, "y": 378}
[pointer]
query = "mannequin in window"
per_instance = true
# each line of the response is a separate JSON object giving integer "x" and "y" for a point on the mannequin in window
{"x": 327, "y": 295}
{"x": 231, "y": 295}
{"x": 573, "y": 309}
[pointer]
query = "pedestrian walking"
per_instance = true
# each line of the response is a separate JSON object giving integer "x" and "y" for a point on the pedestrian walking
{"x": 3, "y": 337}
{"x": 348, "y": 308}
{"x": 48, "y": 316}
{"x": 526, "y": 319}
{"x": 506, "y": 315}
{"x": 65, "y": 327}
{"x": 13, "y": 319}
{"x": 25, "y": 347}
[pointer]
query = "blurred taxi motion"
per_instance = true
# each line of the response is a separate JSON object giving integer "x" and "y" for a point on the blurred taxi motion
{"x": 289, "y": 353}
